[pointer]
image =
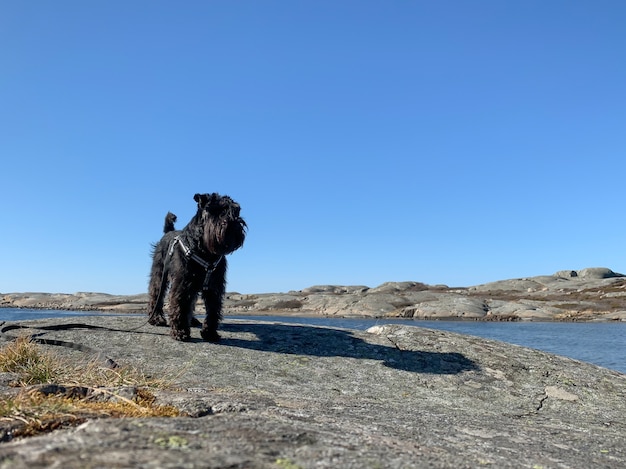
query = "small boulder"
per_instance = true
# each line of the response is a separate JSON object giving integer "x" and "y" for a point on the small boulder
{"x": 598, "y": 273}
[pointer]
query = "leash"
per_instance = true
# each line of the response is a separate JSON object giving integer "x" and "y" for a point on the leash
{"x": 209, "y": 267}
{"x": 36, "y": 338}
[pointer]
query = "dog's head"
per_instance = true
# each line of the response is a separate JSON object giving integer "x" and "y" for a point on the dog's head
{"x": 224, "y": 230}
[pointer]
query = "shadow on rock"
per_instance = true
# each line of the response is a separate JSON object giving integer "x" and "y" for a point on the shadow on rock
{"x": 325, "y": 342}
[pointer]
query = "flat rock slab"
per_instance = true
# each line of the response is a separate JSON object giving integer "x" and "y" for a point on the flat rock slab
{"x": 286, "y": 396}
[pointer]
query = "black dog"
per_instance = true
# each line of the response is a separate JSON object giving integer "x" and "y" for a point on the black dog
{"x": 193, "y": 260}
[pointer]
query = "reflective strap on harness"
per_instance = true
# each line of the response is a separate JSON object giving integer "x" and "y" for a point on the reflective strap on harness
{"x": 208, "y": 266}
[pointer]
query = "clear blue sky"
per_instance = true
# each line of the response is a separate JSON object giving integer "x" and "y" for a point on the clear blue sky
{"x": 455, "y": 142}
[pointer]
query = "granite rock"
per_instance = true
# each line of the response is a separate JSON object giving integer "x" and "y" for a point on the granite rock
{"x": 274, "y": 395}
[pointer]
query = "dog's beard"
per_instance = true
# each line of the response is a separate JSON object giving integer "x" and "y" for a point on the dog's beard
{"x": 225, "y": 236}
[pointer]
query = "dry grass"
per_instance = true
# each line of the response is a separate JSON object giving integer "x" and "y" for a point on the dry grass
{"x": 30, "y": 362}
{"x": 31, "y": 411}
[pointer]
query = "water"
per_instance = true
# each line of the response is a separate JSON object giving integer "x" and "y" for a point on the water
{"x": 601, "y": 343}
{"x": 15, "y": 314}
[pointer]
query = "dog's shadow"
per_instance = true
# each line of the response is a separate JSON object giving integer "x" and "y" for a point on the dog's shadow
{"x": 327, "y": 342}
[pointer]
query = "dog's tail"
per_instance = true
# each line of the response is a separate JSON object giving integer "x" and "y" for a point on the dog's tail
{"x": 170, "y": 219}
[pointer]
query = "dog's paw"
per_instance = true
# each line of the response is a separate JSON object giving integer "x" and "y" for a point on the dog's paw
{"x": 182, "y": 336}
{"x": 157, "y": 321}
{"x": 195, "y": 322}
{"x": 210, "y": 336}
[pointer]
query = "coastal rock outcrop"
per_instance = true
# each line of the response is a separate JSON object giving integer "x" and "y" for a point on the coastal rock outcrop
{"x": 274, "y": 395}
{"x": 588, "y": 294}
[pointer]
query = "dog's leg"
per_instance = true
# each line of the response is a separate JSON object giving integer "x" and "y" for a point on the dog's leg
{"x": 213, "y": 305}
{"x": 213, "y": 298}
{"x": 193, "y": 322}
{"x": 157, "y": 289}
{"x": 181, "y": 306}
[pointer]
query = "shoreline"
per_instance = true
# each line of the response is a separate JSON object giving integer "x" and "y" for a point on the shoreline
{"x": 593, "y": 294}
{"x": 312, "y": 314}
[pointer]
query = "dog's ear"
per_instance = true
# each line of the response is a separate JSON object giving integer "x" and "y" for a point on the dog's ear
{"x": 202, "y": 199}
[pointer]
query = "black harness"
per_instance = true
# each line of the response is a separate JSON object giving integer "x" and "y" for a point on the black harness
{"x": 209, "y": 267}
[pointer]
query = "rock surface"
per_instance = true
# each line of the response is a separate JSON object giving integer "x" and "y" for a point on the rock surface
{"x": 587, "y": 294}
{"x": 274, "y": 395}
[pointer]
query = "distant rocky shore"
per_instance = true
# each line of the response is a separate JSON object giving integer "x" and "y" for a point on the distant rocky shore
{"x": 588, "y": 294}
